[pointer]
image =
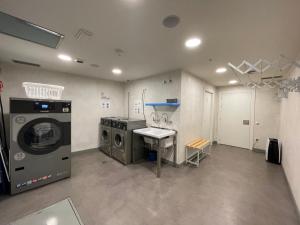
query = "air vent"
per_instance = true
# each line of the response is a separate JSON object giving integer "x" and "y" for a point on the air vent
{"x": 79, "y": 61}
{"x": 94, "y": 65}
{"x": 82, "y": 32}
{"x": 26, "y": 63}
{"x": 25, "y": 30}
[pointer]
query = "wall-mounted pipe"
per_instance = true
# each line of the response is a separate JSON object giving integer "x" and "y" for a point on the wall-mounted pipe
{"x": 128, "y": 105}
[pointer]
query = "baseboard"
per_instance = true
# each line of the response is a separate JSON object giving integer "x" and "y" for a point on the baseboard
{"x": 85, "y": 151}
{"x": 291, "y": 192}
{"x": 168, "y": 162}
{"x": 257, "y": 150}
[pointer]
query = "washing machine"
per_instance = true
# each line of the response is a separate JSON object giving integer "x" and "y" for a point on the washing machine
{"x": 122, "y": 138}
{"x": 105, "y": 135}
{"x": 40, "y": 143}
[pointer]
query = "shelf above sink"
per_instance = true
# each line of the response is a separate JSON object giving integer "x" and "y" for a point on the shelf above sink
{"x": 163, "y": 104}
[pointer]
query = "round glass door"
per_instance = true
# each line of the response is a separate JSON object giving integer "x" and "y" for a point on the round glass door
{"x": 104, "y": 135}
{"x": 118, "y": 140}
{"x": 40, "y": 136}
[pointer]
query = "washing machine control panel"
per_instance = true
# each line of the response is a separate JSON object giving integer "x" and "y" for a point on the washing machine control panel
{"x": 105, "y": 122}
{"x": 119, "y": 125}
{"x": 39, "y": 106}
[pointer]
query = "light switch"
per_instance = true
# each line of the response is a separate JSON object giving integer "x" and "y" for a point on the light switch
{"x": 246, "y": 122}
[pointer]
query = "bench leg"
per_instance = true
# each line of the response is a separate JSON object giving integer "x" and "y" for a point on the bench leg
{"x": 186, "y": 159}
{"x": 209, "y": 151}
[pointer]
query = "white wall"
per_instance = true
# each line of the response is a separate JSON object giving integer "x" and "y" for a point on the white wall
{"x": 192, "y": 98}
{"x": 290, "y": 136}
{"x": 157, "y": 88}
{"x": 267, "y": 116}
{"x": 265, "y": 111}
{"x": 84, "y": 92}
{"x": 186, "y": 119}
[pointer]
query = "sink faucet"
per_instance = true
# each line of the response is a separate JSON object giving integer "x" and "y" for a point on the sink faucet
{"x": 166, "y": 118}
{"x": 155, "y": 117}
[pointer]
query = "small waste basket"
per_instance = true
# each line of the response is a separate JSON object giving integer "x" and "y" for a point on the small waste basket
{"x": 273, "y": 151}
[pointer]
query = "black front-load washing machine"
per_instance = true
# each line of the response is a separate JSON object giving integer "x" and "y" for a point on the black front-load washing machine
{"x": 40, "y": 142}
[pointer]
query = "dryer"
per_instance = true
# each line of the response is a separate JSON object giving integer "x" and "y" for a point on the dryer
{"x": 40, "y": 142}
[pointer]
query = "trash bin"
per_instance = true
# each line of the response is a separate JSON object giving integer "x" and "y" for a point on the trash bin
{"x": 273, "y": 151}
{"x": 152, "y": 155}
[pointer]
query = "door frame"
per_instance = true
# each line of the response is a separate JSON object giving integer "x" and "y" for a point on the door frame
{"x": 252, "y": 110}
{"x": 212, "y": 113}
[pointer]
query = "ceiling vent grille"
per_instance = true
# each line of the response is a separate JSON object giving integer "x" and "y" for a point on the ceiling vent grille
{"x": 26, "y": 63}
{"x": 82, "y": 32}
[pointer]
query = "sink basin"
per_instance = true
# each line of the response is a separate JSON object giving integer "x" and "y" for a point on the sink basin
{"x": 155, "y": 132}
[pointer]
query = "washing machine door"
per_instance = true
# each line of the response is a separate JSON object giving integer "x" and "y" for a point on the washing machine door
{"x": 105, "y": 136}
{"x": 43, "y": 135}
{"x": 118, "y": 140}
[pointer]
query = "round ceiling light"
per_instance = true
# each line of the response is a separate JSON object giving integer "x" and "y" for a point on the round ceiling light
{"x": 64, "y": 57}
{"x": 221, "y": 70}
{"x": 116, "y": 71}
{"x": 171, "y": 21}
{"x": 233, "y": 82}
{"x": 192, "y": 42}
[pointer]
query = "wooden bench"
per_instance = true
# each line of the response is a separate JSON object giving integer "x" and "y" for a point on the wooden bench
{"x": 195, "y": 151}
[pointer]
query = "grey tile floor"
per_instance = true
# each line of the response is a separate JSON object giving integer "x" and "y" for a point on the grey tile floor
{"x": 232, "y": 186}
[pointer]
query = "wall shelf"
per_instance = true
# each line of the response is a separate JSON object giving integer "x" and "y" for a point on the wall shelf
{"x": 162, "y": 104}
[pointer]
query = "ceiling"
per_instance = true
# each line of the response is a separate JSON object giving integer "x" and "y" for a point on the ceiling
{"x": 230, "y": 30}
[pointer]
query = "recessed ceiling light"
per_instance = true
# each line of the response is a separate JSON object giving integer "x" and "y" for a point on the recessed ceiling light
{"x": 116, "y": 71}
{"x": 64, "y": 57}
{"x": 221, "y": 70}
{"x": 192, "y": 42}
{"x": 232, "y": 81}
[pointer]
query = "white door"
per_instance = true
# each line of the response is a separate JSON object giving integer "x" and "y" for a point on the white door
{"x": 207, "y": 115}
{"x": 234, "y": 119}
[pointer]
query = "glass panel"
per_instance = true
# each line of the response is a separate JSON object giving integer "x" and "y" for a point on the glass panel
{"x": 104, "y": 135}
{"x": 42, "y": 136}
{"x": 118, "y": 140}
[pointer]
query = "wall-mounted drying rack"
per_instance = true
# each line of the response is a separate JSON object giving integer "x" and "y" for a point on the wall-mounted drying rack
{"x": 155, "y": 104}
